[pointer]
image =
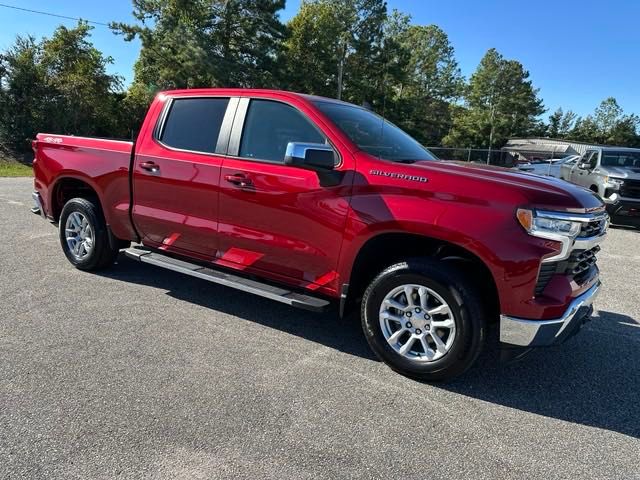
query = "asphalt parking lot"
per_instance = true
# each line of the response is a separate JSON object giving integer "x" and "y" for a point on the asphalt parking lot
{"x": 139, "y": 372}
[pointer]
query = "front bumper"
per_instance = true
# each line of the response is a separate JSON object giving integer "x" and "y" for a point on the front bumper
{"x": 624, "y": 212}
{"x": 539, "y": 333}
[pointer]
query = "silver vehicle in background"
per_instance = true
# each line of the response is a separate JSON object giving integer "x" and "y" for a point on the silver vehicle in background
{"x": 549, "y": 167}
{"x": 614, "y": 174}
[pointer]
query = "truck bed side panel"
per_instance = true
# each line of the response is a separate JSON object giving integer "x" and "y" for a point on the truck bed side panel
{"x": 102, "y": 164}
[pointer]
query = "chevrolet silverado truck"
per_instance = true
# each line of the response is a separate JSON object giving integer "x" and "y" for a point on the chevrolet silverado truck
{"x": 614, "y": 174}
{"x": 317, "y": 203}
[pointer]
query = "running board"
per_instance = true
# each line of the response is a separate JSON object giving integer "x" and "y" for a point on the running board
{"x": 278, "y": 294}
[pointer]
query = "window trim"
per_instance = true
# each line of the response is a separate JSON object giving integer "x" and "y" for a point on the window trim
{"x": 222, "y": 142}
{"x": 238, "y": 129}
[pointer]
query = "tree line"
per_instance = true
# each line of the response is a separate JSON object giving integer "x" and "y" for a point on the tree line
{"x": 355, "y": 50}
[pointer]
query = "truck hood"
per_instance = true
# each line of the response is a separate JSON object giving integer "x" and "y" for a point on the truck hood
{"x": 540, "y": 191}
{"x": 632, "y": 173}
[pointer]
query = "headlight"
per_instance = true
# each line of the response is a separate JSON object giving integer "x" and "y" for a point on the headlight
{"x": 614, "y": 181}
{"x": 547, "y": 224}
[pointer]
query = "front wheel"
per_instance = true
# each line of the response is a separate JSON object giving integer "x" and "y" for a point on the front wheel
{"x": 84, "y": 236}
{"x": 424, "y": 319}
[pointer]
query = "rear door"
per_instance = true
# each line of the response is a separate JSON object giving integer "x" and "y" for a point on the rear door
{"x": 276, "y": 219}
{"x": 176, "y": 175}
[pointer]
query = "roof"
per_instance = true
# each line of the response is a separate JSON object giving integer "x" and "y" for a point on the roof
{"x": 619, "y": 149}
{"x": 549, "y": 140}
{"x": 249, "y": 91}
{"x": 538, "y": 147}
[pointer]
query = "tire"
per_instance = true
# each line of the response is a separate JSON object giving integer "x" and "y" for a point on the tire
{"x": 444, "y": 285}
{"x": 96, "y": 252}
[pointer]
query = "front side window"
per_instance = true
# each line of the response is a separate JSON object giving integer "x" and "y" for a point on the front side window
{"x": 194, "y": 123}
{"x": 269, "y": 126}
{"x": 373, "y": 134}
{"x": 590, "y": 158}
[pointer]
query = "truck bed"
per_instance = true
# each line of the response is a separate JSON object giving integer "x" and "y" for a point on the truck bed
{"x": 101, "y": 163}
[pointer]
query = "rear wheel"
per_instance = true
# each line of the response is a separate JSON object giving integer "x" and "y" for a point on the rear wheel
{"x": 424, "y": 319}
{"x": 84, "y": 236}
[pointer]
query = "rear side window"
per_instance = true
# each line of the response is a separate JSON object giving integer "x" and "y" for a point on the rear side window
{"x": 270, "y": 126}
{"x": 194, "y": 123}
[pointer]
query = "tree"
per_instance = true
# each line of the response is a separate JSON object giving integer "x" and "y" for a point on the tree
{"x": 561, "y": 123}
{"x": 84, "y": 92}
{"x": 608, "y": 125}
{"x": 341, "y": 43}
{"x": 431, "y": 82}
{"x": 58, "y": 85}
{"x": 500, "y": 102}
{"x": 312, "y": 50}
{"x": 24, "y": 97}
{"x": 203, "y": 43}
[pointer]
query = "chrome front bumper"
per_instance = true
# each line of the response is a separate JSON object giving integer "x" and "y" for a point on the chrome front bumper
{"x": 538, "y": 333}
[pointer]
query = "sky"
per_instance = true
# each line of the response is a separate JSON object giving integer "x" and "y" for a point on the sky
{"x": 578, "y": 52}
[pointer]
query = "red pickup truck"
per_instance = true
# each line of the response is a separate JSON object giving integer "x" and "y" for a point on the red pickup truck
{"x": 311, "y": 201}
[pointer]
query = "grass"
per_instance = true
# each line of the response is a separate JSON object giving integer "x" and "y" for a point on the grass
{"x": 9, "y": 168}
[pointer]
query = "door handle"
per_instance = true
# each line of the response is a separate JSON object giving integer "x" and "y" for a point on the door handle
{"x": 152, "y": 167}
{"x": 238, "y": 179}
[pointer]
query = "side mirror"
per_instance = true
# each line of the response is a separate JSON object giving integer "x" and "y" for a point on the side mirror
{"x": 310, "y": 155}
{"x": 584, "y": 166}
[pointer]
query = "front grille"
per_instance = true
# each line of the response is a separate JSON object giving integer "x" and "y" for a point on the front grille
{"x": 630, "y": 189}
{"x": 593, "y": 228}
{"x": 580, "y": 262}
{"x": 578, "y": 266}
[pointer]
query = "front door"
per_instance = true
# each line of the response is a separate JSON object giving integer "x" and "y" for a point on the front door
{"x": 278, "y": 219}
{"x": 176, "y": 176}
{"x": 581, "y": 175}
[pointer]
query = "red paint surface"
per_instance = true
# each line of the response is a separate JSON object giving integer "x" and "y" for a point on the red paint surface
{"x": 289, "y": 228}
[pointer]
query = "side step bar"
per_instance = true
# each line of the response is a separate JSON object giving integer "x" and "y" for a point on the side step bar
{"x": 278, "y": 294}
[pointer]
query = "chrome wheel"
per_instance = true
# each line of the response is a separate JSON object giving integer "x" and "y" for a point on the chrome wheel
{"x": 79, "y": 235}
{"x": 417, "y": 323}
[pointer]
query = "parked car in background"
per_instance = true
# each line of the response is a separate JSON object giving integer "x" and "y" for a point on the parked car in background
{"x": 614, "y": 174}
{"x": 550, "y": 167}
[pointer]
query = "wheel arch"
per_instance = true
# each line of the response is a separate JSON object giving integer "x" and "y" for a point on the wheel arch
{"x": 71, "y": 186}
{"x": 383, "y": 249}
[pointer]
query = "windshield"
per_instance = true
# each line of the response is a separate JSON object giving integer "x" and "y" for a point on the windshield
{"x": 373, "y": 134}
{"x": 621, "y": 158}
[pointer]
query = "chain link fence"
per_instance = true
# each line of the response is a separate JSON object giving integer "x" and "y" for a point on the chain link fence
{"x": 502, "y": 158}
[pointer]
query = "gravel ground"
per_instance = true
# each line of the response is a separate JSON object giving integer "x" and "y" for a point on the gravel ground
{"x": 143, "y": 373}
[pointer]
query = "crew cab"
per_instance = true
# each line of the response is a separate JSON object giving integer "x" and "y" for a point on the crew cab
{"x": 614, "y": 174}
{"x": 315, "y": 202}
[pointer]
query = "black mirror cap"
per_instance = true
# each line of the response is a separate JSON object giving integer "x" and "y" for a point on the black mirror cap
{"x": 310, "y": 155}
{"x": 324, "y": 159}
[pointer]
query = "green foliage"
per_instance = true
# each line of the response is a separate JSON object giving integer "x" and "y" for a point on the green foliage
{"x": 58, "y": 85}
{"x": 14, "y": 169}
{"x": 500, "y": 101}
{"x": 337, "y": 48}
{"x": 429, "y": 84}
{"x": 608, "y": 125}
{"x": 202, "y": 43}
{"x": 561, "y": 123}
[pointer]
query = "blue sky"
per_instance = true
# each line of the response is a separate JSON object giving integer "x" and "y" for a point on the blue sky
{"x": 577, "y": 51}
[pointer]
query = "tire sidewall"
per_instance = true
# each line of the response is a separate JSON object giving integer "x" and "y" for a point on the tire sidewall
{"x": 90, "y": 212}
{"x": 468, "y": 331}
